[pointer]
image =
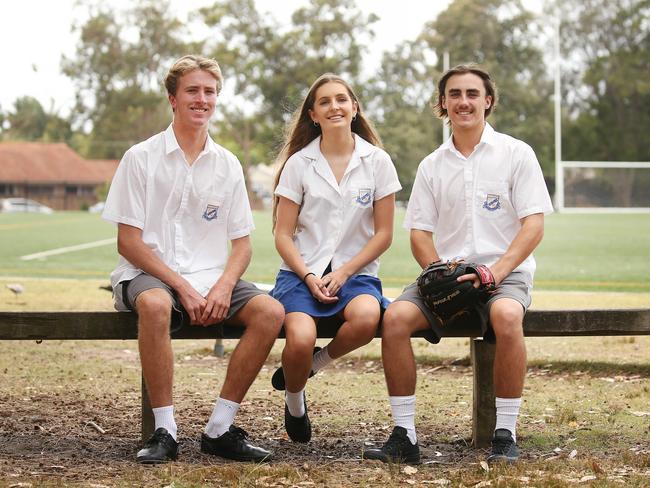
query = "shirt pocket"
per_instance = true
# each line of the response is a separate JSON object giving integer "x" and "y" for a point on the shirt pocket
{"x": 362, "y": 194}
{"x": 213, "y": 207}
{"x": 492, "y": 199}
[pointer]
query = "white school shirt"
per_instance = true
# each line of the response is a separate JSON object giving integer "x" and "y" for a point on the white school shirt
{"x": 187, "y": 213}
{"x": 474, "y": 205}
{"x": 335, "y": 221}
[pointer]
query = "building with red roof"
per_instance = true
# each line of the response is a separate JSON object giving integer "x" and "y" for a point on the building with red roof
{"x": 52, "y": 174}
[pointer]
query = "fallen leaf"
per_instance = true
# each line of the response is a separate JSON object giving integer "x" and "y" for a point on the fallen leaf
{"x": 410, "y": 470}
{"x": 589, "y": 477}
{"x": 485, "y": 466}
{"x": 596, "y": 467}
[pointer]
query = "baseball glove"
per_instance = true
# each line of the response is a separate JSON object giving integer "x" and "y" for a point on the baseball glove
{"x": 445, "y": 296}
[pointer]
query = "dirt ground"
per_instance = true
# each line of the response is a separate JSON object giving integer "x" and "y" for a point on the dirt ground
{"x": 70, "y": 415}
{"x": 70, "y": 410}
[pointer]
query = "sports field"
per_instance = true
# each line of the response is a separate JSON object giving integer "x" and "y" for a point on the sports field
{"x": 579, "y": 252}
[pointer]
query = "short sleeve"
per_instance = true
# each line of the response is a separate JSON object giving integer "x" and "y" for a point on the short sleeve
{"x": 529, "y": 192}
{"x": 240, "y": 217}
{"x": 125, "y": 203}
{"x": 386, "y": 180}
{"x": 291, "y": 180}
{"x": 422, "y": 212}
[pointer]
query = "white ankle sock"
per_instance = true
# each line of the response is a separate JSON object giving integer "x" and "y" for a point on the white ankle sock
{"x": 222, "y": 417}
{"x": 403, "y": 408}
{"x": 321, "y": 359}
{"x": 164, "y": 417}
{"x": 507, "y": 413}
{"x": 295, "y": 402}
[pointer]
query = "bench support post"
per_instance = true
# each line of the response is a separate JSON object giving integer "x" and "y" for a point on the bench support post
{"x": 148, "y": 422}
{"x": 483, "y": 409}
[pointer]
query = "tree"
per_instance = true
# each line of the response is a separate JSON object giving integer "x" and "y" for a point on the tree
{"x": 272, "y": 67}
{"x": 3, "y": 118}
{"x": 28, "y": 120}
{"x": 609, "y": 46}
{"x": 117, "y": 69}
{"x": 502, "y": 36}
{"x": 399, "y": 99}
{"x": 57, "y": 129}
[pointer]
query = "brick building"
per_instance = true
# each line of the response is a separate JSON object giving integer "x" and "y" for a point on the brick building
{"x": 52, "y": 174}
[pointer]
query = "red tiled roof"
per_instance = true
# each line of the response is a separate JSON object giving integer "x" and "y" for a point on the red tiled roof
{"x": 40, "y": 162}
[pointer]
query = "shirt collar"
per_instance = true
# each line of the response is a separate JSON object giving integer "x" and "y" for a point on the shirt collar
{"x": 361, "y": 147}
{"x": 487, "y": 137}
{"x": 312, "y": 150}
{"x": 171, "y": 143}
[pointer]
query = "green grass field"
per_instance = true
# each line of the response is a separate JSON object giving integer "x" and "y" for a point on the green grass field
{"x": 579, "y": 252}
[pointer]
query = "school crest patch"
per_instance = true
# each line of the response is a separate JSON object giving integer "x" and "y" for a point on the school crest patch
{"x": 492, "y": 202}
{"x": 211, "y": 212}
{"x": 365, "y": 196}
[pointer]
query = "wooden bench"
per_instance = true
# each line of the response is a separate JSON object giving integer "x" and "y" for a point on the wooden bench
{"x": 538, "y": 323}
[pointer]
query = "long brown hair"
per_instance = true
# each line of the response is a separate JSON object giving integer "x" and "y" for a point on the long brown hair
{"x": 301, "y": 130}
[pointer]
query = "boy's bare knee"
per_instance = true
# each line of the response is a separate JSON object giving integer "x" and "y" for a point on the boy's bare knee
{"x": 154, "y": 309}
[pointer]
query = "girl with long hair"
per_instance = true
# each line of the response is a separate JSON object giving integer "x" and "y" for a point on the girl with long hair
{"x": 332, "y": 219}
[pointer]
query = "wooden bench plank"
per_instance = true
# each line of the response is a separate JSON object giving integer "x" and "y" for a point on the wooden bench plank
{"x": 122, "y": 325}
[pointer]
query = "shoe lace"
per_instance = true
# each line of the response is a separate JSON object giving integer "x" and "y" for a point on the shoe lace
{"x": 501, "y": 445}
{"x": 396, "y": 442}
{"x": 238, "y": 432}
{"x": 158, "y": 437}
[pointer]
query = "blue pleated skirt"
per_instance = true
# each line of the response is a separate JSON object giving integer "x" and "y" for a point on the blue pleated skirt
{"x": 295, "y": 295}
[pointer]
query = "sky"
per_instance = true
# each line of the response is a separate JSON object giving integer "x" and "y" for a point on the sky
{"x": 34, "y": 34}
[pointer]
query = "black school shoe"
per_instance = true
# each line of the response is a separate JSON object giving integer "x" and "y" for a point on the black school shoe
{"x": 277, "y": 380}
{"x": 504, "y": 449}
{"x": 397, "y": 449}
{"x": 160, "y": 448}
{"x": 233, "y": 445}
{"x": 298, "y": 428}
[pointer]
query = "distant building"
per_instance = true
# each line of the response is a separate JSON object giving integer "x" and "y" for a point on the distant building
{"x": 52, "y": 174}
{"x": 260, "y": 185}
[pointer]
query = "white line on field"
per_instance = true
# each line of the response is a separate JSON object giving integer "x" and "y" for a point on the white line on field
{"x": 63, "y": 250}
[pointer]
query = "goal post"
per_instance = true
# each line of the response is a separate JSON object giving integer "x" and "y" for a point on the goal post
{"x": 595, "y": 186}
{"x": 603, "y": 187}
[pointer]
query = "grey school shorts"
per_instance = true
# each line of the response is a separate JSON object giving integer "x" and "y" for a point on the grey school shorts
{"x": 516, "y": 286}
{"x": 126, "y": 293}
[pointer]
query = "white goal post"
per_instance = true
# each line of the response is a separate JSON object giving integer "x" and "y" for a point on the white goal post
{"x": 561, "y": 166}
{"x": 566, "y": 204}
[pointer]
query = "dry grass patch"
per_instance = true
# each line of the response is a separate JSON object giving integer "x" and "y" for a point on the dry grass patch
{"x": 573, "y": 419}
{"x": 585, "y": 419}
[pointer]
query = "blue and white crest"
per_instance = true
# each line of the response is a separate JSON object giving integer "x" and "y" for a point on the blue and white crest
{"x": 365, "y": 196}
{"x": 211, "y": 212}
{"x": 492, "y": 202}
